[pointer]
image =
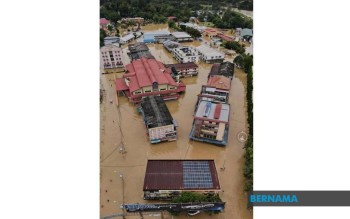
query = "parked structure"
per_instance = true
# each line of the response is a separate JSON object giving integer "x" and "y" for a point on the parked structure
{"x": 158, "y": 120}
{"x": 185, "y": 69}
{"x": 111, "y": 57}
{"x": 170, "y": 45}
{"x": 210, "y": 55}
{"x": 139, "y": 50}
{"x": 186, "y": 54}
{"x": 211, "y": 123}
{"x": 165, "y": 179}
{"x": 181, "y": 37}
{"x": 112, "y": 41}
{"x": 127, "y": 38}
{"x": 148, "y": 77}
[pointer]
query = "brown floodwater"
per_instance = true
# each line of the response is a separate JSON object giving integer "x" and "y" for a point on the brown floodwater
{"x": 132, "y": 164}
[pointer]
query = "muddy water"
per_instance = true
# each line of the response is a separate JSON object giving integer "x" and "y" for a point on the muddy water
{"x": 133, "y": 163}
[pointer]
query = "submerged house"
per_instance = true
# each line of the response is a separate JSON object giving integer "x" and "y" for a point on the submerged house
{"x": 210, "y": 55}
{"x": 185, "y": 54}
{"x": 211, "y": 123}
{"x": 185, "y": 69}
{"x": 139, "y": 50}
{"x": 222, "y": 69}
{"x": 181, "y": 37}
{"x": 148, "y": 77}
{"x": 170, "y": 45}
{"x": 165, "y": 179}
{"x": 158, "y": 120}
{"x": 212, "y": 111}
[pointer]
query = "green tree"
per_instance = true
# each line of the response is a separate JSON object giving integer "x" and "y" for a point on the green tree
{"x": 102, "y": 36}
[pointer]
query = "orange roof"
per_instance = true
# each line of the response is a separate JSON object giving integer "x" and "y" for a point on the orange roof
{"x": 220, "y": 82}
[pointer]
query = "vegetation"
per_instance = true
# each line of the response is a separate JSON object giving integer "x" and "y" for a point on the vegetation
{"x": 102, "y": 36}
{"x": 172, "y": 24}
{"x": 187, "y": 197}
{"x": 157, "y": 11}
{"x": 235, "y": 46}
{"x": 244, "y": 61}
{"x": 232, "y": 19}
{"x": 245, "y": 5}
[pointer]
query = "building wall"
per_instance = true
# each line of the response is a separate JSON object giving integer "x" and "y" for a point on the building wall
{"x": 111, "y": 57}
{"x": 164, "y": 133}
{"x": 146, "y": 89}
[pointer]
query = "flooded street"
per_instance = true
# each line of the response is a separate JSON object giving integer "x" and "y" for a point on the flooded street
{"x": 132, "y": 164}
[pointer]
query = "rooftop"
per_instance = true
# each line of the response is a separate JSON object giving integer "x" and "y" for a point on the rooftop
{"x": 247, "y": 32}
{"x": 208, "y": 111}
{"x": 220, "y": 82}
{"x": 180, "y": 35}
{"x": 137, "y": 47}
{"x": 186, "y": 51}
{"x": 225, "y": 69}
{"x": 209, "y": 51}
{"x": 147, "y": 71}
{"x": 155, "y": 112}
{"x": 181, "y": 175}
{"x": 224, "y": 37}
{"x": 104, "y": 21}
{"x": 127, "y": 37}
{"x": 183, "y": 65}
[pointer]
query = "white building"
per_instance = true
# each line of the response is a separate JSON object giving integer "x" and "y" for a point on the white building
{"x": 127, "y": 38}
{"x": 111, "y": 57}
{"x": 112, "y": 41}
{"x": 181, "y": 37}
{"x": 185, "y": 54}
{"x": 210, "y": 55}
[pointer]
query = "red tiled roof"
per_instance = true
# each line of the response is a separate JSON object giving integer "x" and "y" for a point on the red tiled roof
{"x": 143, "y": 72}
{"x": 220, "y": 82}
{"x": 104, "y": 21}
{"x": 121, "y": 85}
{"x": 224, "y": 37}
{"x": 133, "y": 84}
{"x": 171, "y": 80}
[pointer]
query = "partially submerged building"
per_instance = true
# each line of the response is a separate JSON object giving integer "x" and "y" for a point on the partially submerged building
{"x": 186, "y": 54}
{"x": 156, "y": 37}
{"x": 212, "y": 111}
{"x": 224, "y": 37}
{"x": 139, "y": 50}
{"x": 210, "y": 55}
{"x": 127, "y": 38}
{"x": 211, "y": 123}
{"x": 112, "y": 41}
{"x": 246, "y": 35}
{"x": 170, "y": 45}
{"x": 165, "y": 179}
{"x": 181, "y": 37}
{"x": 111, "y": 57}
{"x": 159, "y": 123}
{"x": 185, "y": 69}
{"x": 222, "y": 69}
{"x": 148, "y": 77}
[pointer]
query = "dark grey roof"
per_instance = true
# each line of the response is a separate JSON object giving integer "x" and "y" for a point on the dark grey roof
{"x": 225, "y": 69}
{"x": 138, "y": 47}
{"x": 155, "y": 112}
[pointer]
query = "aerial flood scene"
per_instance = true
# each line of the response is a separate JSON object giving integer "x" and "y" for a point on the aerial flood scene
{"x": 173, "y": 120}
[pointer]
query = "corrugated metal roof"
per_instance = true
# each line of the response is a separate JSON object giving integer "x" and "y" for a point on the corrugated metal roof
{"x": 220, "y": 82}
{"x": 176, "y": 175}
{"x": 207, "y": 51}
{"x": 180, "y": 35}
{"x": 121, "y": 85}
{"x": 225, "y": 69}
{"x": 203, "y": 107}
